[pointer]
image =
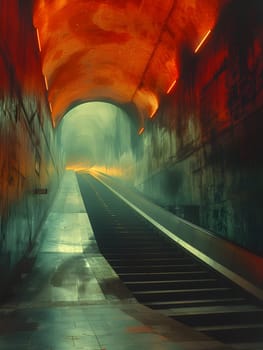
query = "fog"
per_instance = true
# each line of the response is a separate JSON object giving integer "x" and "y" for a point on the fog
{"x": 98, "y": 135}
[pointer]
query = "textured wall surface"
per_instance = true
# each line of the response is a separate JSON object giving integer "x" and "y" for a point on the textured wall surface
{"x": 202, "y": 155}
{"x": 28, "y": 158}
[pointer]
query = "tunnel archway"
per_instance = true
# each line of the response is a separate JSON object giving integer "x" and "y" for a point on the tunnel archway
{"x": 201, "y": 158}
{"x": 99, "y": 136}
{"x": 129, "y": 53}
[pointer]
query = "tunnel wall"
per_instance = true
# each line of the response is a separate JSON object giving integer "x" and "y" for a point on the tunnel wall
{"x": 202, "y": 156}
{"x": 30, "y": 164}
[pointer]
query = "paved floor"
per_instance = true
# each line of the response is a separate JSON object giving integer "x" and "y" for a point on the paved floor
{"x": 70, "y": 298}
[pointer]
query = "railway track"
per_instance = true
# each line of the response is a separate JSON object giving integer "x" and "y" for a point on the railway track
{"x": 164, "y": 276}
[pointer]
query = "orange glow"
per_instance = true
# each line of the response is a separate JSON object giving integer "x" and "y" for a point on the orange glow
{"x": 154, "y": 106}
{"x": 202, "y": 41}
{"x": 38, "y": 40}
{"x": 112, "y": 171}
{"x": 153, "y": 112}
{"x": 147, "y": 102}
{"x": 84, "y": 44}
{"x": 46, "y": 83}
{"x": 171, "y": 86}
{"x": 77, "y": 168}
{"x": 141, "y": 131}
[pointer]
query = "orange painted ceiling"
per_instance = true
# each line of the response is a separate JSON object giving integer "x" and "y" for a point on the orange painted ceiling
{"x": 123, "y": 51}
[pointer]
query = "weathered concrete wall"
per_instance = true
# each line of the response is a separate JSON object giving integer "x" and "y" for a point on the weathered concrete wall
{"x": 29, "y": 160}
{"x": 203, "y": 153}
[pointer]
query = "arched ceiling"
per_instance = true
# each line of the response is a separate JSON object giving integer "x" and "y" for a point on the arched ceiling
{"x": 124, "y": 51}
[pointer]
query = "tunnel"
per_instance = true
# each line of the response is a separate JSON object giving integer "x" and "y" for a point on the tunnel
{"x": 127, "y": 125}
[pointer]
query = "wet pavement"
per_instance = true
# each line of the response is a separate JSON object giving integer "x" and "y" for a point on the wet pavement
{"x": 68, "y": 297}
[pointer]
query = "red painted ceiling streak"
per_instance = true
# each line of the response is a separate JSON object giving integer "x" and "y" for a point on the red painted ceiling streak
{"x": 115, "y": 50}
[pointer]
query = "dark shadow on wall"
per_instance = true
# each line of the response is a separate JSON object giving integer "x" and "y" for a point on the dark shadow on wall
{"x": 30, "y": 163}
{"x": 211, "y": 170}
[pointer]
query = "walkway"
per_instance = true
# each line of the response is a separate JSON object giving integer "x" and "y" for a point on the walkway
{"x": 70, "y": 298}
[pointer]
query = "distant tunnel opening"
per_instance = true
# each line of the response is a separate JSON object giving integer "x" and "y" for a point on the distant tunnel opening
{"x": 100, "y": 136}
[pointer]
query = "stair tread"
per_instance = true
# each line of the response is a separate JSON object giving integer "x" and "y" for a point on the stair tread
{"x": 171, "y": 281}
{"x": 154, "y": 303}
{"x": 181, "y": 290}
{"x": 229, "y": 327}
{"x": 204, "y": 310}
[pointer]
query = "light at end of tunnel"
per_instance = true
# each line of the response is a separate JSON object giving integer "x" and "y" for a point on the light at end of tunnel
{"x": 171, "y": 86}
{"x": 112, "y": 171}
{"x": 202, "y": 41}
{"x": 77, "y": 168}
{"x": 46, "y": 83}
{"x": 140, "y": 131}
{"x": 38, "y": 40}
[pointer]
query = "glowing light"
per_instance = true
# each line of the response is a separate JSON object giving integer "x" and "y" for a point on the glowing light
{"x": 171, "y": 86}
{"x": 147, "y": 101}
{"x": 50, "y": 106}
{"x": 112, "y": 171}
{"x": 153, "y": 112}
{"x": 46, "y": 83}
{"x": 154, "y": 106}
{"x": 38, "y": 40}
{"x": 72, "y": 50}
{"x": 141, "y": 131}
{"x": 77, "y": 168}
{"x": 202, "y": 41}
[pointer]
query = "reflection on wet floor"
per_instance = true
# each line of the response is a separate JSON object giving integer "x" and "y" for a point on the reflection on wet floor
{"x": 70, "y": 298}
